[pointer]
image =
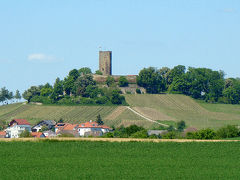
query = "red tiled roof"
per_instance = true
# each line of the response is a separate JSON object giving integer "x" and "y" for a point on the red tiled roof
{"x": 2, "y": 133}
{"x": 92, "y": 125}
{"x": 20, "y": 122}
{"x": 36, "y": 134}
{"x": 69, "y": 126}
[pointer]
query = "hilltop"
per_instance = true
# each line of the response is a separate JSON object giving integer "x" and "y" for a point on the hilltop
{"x": 164, "y": 108}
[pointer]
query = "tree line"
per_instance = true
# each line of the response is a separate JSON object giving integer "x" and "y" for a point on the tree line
{"x": 199, "y": 83}
{"x": 78, "y": 87}
{"x": 6, "y": 95}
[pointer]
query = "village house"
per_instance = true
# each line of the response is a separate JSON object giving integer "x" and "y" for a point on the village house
{"x": 49, "y": 124}
{"x": 2, "y": 134}
{"x": 92, "y": 129}
{"x": 37, "y": 135}
{"x": 68, "y": 129}
{"x": 16, "y": 127}
{"x": 84, "y": 129}
{"x": 49, "y": 133}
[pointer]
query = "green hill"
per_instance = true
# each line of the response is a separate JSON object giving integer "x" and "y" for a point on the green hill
{"x": 165, "y": 108}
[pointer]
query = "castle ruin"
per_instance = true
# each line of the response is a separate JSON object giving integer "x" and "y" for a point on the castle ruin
{"x": 105, "y": 62}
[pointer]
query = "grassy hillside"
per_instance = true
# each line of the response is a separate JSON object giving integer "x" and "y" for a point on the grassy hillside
{"x": 162, "y": 108}
{"x": 179, "y": 107}
{"x": 111, "y": 115}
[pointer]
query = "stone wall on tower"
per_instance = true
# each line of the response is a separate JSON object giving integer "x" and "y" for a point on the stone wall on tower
{"x": 105, "y": 62}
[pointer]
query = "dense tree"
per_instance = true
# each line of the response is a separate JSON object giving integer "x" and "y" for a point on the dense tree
{"x": 58, "y": 87}
{"x": 74, "y": 74}
{"x": 17, "y": 95}
{"x": 68, "y": 85}
{"x": 181, "y": 125}
{"x": 98, "y": 72}
{"x": 81, "y": 84}
{"x": 99, "y": 120}
{"x": 116, "y": 98}
{"x": 151, "y": 79}
{"x": 110, "y": 81}
{"x": 123, "y": 82}
{"x": 175, "y": 73}
{"x": 31, "y": 92}
{"x": 84, "y": 71}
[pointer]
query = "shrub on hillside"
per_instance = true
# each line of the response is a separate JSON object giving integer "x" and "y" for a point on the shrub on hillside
{"x": 202, "y": 134}
{"x": 140, "y": 134}
{"x": 228, "y": 132}
{"x": 171, "y": 135}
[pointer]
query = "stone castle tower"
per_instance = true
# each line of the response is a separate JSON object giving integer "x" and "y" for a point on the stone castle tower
{"x": 105, "y": 62}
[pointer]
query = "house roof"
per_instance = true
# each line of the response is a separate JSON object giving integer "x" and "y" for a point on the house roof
{"x": 70, "y": 127}
{"x": 2, "y": 133}
{"x": 19, "y": 122}
{"x": 92, "y": 125}
{"x": 37, "y": 134}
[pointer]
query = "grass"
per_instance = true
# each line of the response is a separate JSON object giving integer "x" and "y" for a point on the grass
{"x": 195, "y": 113}
{"x": 114, "y": 160}
{"x": 164, "y": 108}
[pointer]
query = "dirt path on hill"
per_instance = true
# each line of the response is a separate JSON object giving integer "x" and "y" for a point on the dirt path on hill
{"x": 148, "y": 119}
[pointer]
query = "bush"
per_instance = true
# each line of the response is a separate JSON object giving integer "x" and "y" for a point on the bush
{"x": 140, "y": 134}
{"x": 133, "y": 129}
{"x": 138, "y": 91}
{"x": 102, "y": 100}
{"x": 170, "y": 135}
{"x": 25, "y": 134}
{"x": 202, "y": 134}
{"x": 228, "y": 132}
{"x": 108, "y": 135}
{"x": 181, "y": 126}
{"x": 42, "y": 99}
{"x": 123, "y": 82}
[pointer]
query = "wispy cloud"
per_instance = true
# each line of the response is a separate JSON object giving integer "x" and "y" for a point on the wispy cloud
{"x": 229, "y": 10}
{"x": 43, "y": 58}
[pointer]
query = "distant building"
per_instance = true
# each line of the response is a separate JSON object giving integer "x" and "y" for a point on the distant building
{"x": 16, "y": 127}
{"x": 37, "y": 135}
{"x": 2, "y": 134}
{"x": 48, "y": 123}
{"x": 105, "y": 62}
{"x": 49, "y": 133}
{"x": 92, "y": 128}
{"x": 84, "y": 129}
{"x": 156, "y": 132}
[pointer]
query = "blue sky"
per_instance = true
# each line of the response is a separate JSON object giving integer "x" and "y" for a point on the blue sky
{"x": 42, "y": 40}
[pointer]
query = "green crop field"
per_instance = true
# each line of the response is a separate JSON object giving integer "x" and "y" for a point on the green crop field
{"x": 115, "y": 160}
{"x": 163, "y": 108}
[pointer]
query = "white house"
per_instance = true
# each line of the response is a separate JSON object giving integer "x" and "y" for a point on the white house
{"x": 16, "y": 127}
{"x": 92, "y": 128}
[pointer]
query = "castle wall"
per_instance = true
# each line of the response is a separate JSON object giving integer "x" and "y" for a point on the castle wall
{"x": 102, "y": 78}
{"x": 105, "y": 62}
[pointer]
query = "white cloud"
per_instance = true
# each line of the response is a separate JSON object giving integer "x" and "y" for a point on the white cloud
{"x": 43, "y": 58}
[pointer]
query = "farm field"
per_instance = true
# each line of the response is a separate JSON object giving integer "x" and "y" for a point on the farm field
{"x": 163, "y": 108}
{"x": 115, "y": 160}
{"x": 177, "y": 107}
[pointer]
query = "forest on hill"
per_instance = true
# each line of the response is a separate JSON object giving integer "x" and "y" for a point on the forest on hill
{"x": 79, "y": 87}
{"x": 199, "y": 83}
